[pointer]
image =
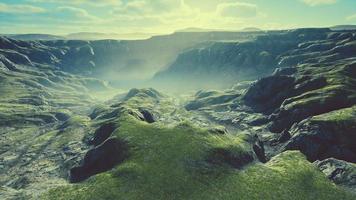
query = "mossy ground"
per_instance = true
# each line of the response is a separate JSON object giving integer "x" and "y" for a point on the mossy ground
{"x": 170, "y": 163}
{"x": 170, "y": 159}
{"x": 35, "y": 130}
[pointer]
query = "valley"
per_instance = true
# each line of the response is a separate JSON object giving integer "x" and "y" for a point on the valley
{"x": 191, "y": 115}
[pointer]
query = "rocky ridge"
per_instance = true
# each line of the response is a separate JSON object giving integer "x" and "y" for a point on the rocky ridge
{"x": 59, "y": 143}
{"x": 307, "y": 104}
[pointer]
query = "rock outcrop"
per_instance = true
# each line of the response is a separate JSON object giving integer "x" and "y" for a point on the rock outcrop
{"x": 221, "y": 156}
{"x": 340, "y": 172}
{"x": 317, "y": 83}
{"x": 222, "y": 140}
{"x": 102, "y": 133}
{"x": 102, "y": 158}
{"x": 330, "y": 135}
{"x": 219, "y": 64}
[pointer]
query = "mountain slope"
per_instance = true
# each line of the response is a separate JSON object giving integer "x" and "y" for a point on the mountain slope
{"x": 114, "y": 60}
{"x": 188, "y": 162}
{"x": 288, "y": 132}
{"x": 306, "y": 105}
{"x": 42, "y": 119}
{"x": 30, "y": 37}
{"x": 219, "y": 64}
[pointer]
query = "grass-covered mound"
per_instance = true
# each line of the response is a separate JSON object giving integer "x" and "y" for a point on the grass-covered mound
{"x": 176, "y": 163}
{"x": 140, "y": 146}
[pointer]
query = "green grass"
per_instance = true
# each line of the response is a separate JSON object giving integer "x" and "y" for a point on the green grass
{"x": 341, "y": 124}
{"x": 212, "y": 99}
{"x": 170, "y": 163}
{"x": 71, "y": 130}
{"x": 346, "y": 116}
{"x": 338, "y": 81}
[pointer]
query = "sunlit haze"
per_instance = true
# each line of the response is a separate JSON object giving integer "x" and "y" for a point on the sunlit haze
{"x": 150, "y": 17}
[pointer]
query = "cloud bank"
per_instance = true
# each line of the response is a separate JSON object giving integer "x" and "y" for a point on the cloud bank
{"x": 319, "y": 2}
{"x": 164, "y": 16}
{"x": 20, "y": 9}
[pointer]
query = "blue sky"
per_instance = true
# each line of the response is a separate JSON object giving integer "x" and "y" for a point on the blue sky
{"x": 164, "y": 16}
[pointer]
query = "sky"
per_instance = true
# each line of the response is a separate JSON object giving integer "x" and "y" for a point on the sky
{"x": 165, "y": 16}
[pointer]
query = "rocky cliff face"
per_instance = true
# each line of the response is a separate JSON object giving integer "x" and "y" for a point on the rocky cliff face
{"x": 111, "y": 59}
{"x": 316, "y": 78}
{"x": 282, "y": 134}
{"x": 219, "y": 64}
{"x": 306, "y": 104}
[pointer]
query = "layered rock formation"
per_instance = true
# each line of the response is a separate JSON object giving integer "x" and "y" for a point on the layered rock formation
{"x": 255, "y": 140}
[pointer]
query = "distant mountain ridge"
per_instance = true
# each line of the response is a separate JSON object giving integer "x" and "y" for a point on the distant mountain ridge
{"x": 34, "y": 36}
{"x": 286, "y": 126}
{"x": 138, "y": 35}
{"x": 221, "y": 63}
{"x": 116, "y": 36}
{"x": 343, "y": 27}
{"x": 195, "y": 29}
{"x": 103, "y": 36}
{"x": 81, "y": 36}
{"x": 114, "y": 59}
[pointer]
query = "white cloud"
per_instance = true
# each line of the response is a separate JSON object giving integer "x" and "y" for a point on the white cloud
{"x": 158, "y": 16}
{"x": 74, "y": 13}
{"x": 164, "y": 15}
{"x": 319, "y": 2}
{"x": 90, "y": 2}
{"x": 351, "y": 17}
{"x": 20, "y": 9}
{"x": 154, "y": 14}
{"x": 237, "y": 10}
{"x": 144, "y": 7}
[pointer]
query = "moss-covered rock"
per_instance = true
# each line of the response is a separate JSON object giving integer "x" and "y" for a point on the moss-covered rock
{"x": 327, "y": 135}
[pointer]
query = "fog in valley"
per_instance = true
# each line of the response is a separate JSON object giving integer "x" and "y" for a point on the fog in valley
{"x": 178, "y": 99}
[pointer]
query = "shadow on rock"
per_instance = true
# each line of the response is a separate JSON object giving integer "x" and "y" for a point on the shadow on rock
{"x": 102, "y": 158}
{"x": 103, "y": 133}
{"x": 220, "y": 156}
{"x": 340, "y": 172}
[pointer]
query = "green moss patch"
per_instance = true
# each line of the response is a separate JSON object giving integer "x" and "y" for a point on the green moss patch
{"x": 171, "y": 163}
